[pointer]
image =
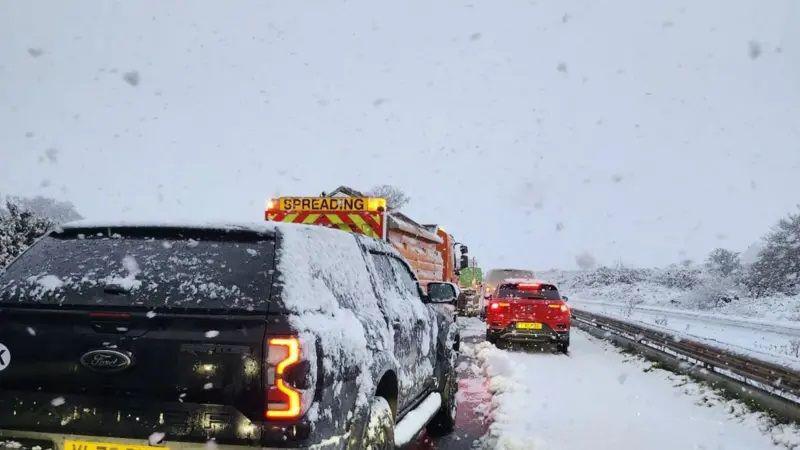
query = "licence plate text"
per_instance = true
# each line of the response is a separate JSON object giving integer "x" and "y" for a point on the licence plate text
{"x": 529, "y": 326}
{"x": 87, "y": 445}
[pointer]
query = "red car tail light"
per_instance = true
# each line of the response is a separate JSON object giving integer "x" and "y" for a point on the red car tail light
{"x": 498, "y": 305}
{"x": 560, "y": 306}
{"x": 283, "y": 400}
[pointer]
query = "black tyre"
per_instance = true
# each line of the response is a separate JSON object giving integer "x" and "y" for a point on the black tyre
{"x": 379, "y": 431}
{"x": 563, "y": 346}
{"x": 491, "y": 337}
{"x": 444, "y": 421}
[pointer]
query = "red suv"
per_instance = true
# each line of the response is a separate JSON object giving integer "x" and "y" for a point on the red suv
{"x": 528, "y": 311}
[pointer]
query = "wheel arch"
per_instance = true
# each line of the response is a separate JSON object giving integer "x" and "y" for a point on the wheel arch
{"x": 388, "y": 388}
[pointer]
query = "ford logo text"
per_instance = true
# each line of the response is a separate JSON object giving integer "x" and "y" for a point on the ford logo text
{"x": 106, "y": 361}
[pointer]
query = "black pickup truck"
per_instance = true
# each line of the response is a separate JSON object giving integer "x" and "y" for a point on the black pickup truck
{"x": 143, "y": 336}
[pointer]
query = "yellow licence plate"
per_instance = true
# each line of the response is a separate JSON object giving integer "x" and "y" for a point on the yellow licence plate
{"x": 529, "y": 326}
{"x": 87, "y": 445}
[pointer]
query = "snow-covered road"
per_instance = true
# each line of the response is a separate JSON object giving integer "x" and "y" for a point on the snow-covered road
{"x": 601, "y": 398}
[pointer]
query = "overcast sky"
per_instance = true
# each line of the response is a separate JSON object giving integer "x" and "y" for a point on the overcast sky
{"x": 640, "y": 132}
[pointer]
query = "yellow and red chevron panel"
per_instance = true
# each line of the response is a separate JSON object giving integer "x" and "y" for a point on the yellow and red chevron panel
{"x": 368, "y": 219}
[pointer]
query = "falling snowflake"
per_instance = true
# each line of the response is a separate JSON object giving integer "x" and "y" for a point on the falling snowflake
{"x": 131, "y": 78}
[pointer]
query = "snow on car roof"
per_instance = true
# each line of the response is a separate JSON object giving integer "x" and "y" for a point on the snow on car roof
{"x": 524, "y": 281}
{"x": 258, "y": 227}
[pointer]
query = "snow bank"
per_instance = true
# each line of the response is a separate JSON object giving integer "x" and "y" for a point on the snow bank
{"x": 600, "y": 398}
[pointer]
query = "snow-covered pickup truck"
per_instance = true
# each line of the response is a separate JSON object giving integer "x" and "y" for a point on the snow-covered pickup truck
{"x": 129, "y": 336}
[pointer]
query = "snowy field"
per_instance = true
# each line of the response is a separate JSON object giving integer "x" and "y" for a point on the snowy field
{"x": 601, "y": 398}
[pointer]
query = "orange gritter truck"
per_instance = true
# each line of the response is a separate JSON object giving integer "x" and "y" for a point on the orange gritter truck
{"x": 429, "y": 249}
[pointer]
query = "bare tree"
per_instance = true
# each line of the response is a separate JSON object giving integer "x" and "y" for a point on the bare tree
{"x": 395, "y": 197}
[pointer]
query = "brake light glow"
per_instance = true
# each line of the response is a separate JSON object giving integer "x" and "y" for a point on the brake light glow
{"x": 283, "y": 401}
{"x": 497, "y": 305}
{"x": 561, "y": 306}
{"x": 528, "y": 287}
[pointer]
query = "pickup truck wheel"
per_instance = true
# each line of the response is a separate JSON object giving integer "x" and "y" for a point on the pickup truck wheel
{"x": 379, "y": 432}
{"x": 444, "y": 421}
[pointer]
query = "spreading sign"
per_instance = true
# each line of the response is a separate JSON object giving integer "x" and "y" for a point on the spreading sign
{"x": 362, "y": 215}
{"x": 330, "y": 204}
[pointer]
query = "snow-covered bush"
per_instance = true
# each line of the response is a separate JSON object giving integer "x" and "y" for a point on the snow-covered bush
{"x": 607, "y": 276}
{"x": 722, "y": 262}
{"x": 777, "y": 269}
{"x": 711, "y": 292}
{"x": 19, "y": 228}
{"x": 679, "y": 277}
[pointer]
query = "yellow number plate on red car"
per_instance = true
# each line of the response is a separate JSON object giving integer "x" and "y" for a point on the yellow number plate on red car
{"x": 87, "y": 445}
{"x": 529, "y": 326}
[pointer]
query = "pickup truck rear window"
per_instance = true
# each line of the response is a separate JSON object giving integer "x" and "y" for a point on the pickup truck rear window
{"x": 543, "y": 292}
{"x": 189, "y": 270}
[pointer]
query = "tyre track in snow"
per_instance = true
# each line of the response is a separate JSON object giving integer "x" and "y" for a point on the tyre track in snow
{"x": 473, "y": 401}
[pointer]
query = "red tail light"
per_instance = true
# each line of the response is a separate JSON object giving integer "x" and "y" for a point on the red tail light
{"x": 283, "y": 401}
{"x": 560, "y": 306}
{"x": 498, "y": 305}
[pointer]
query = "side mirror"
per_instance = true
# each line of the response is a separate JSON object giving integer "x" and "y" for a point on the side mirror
{"x": 464, "y": 249}
{"x": 464, "y": 262}
{"x": 565, "y": 298}
{"x": 442, "y": 293}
